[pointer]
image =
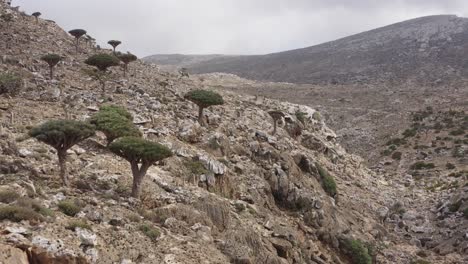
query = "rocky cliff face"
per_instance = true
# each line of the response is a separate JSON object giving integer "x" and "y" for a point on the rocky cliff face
{"x": 427, "y": 50}
{"x": 233, "y": 193}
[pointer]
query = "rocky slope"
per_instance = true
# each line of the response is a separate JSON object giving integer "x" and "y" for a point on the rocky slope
{"x": 176, "y": 61}
{"x": 232, "y": 193}
{"x": 427, "y": 50}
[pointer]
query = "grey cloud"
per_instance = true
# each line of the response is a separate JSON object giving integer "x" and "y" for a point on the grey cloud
{"x": 231, "y": 26}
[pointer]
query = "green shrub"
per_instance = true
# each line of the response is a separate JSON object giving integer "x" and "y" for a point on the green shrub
{"x": 411, "y": 132}
{"x": 328, "y": 183}
{"x": 420, "y": 165}
{"x": 8, "y": 196}
{"x": 149, "y": 231}
{"x": 301, "y": 117}
{"x": 397, "y": 155}
{"x": 35, "y": 206}
{"x": 69, "y": 207}
{"x": 73, "y": 225}
{"x": 16, "y": 213}
{"x": 10, "y": 83}
{"x": 196, "y": 167}
{"x": 117, "y": 109}
{"x": 357, "y": 251}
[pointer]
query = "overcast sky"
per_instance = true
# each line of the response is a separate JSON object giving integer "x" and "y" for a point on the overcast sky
{"x": 230, "y": 26}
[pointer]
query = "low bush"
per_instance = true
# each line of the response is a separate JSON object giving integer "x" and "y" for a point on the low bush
{"x": 10, "y": 83}
{"x": 149, "y": 231}
{"x": 8, "y": 196}
{"x": 328, "y": 183}
{"x": 16, "y": 213}
{"x": 35, "y": 206}
{"x": 421, "y": 165}
{"x": 195, "y": 167}
{"x": 69, "y": 207}
{"x": 357, "y": 251}
{"x": 73, "y": 225}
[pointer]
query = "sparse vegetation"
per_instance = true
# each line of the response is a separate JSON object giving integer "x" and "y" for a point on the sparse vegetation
{"x": 8, "y": 196}
{"x": 7, "y": 18}
{"x": 10, "y": 83}
{"x": 301, "y": 116}
{"x": 328, "y": 183}
{"x": 52, "y": 60}
{"x": 62, "y": 135}
{"x": 25, "y": 209}
{"x": 357, "y": 251}
{"x": 74, "y": 224}
{"x": 141, "y": 154}
{"x": 151, "y": 232}
{"x": 204, "y": 99}
{"x": 421, "y": 165}
{"x": 16, "y": 213}
{"x": 195, "y": 167}
{"x": 69, "y": 207}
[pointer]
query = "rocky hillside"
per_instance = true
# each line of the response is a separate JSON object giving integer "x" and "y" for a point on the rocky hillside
{"x": 175, "y": 61}
{"x": 426, "y": 50}
{"x": 232, "y": 193}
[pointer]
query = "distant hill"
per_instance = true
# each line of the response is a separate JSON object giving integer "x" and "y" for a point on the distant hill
{"x": 173, "y": 61}
{"x": 428, "y": 50}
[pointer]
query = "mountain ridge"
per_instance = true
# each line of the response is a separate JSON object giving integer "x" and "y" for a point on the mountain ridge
{"x": 425, "y": 50}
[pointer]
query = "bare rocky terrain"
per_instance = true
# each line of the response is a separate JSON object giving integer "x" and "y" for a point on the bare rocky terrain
{"x": 232, "y": 193}
{"x": 427, "y": 50}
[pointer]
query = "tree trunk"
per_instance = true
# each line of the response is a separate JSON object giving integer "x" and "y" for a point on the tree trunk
{"x": 62, "y": 159}
{"x": 274, "y": 127}
{"x": 76, "y": 45}
{"x": 138, "y": 175}
{"x": 201, "y": 120}
{"x": 125, "y": 70}
{"x": 51, "y": 72}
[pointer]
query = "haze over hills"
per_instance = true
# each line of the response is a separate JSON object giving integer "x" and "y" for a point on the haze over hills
{"x": 174, "y": 61}
{"x": 427, "y": 50}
